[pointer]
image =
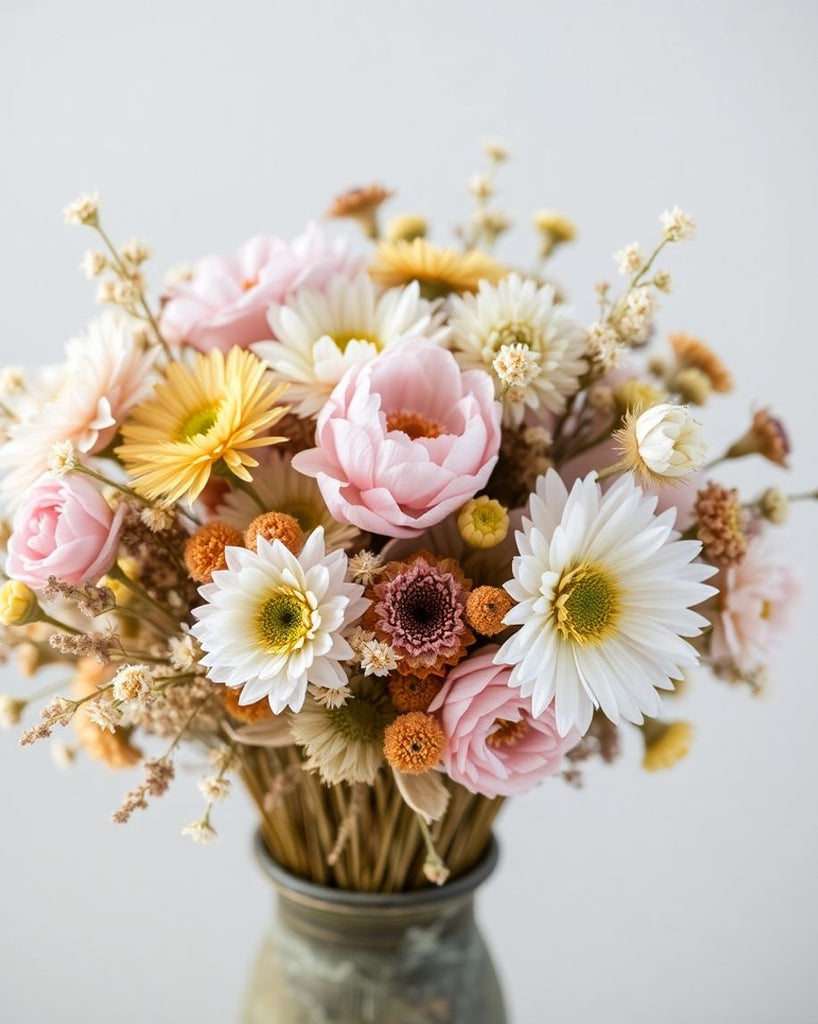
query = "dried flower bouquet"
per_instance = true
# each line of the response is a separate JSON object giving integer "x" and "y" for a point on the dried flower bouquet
{"x": 388, "y": 537}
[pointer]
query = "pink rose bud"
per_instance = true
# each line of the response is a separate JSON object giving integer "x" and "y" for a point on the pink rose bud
{"x": 66, "y": 529}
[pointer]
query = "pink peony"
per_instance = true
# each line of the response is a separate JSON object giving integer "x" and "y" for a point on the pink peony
{"x": 404, "y": 440}
{"x": 225, "y": 303}
{"x": 64, "y": 528}
{"x": 755, "y": 606}
{"x": 494, "y": 746}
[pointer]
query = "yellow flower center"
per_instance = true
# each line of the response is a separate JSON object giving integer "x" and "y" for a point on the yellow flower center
{"x": 506, "y": 732}
{"x": 343, "y": 338}
{"x": 587, "y": 604}
{"x": 199, "y": 422}
{"x": 513, "y": 334}
{"x": 483, "y": 522}
{"x": 284, "y": 621}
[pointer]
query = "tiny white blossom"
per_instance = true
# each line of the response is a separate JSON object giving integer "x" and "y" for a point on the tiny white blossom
{"x": 605, "y": 346}
{"x": 106, "y": 292}
{"x": 378, "y": 658}
{"x": 58, "y": 711}
{"x": 223, "y": 759}
{"x": 135, "y": 252}
{"x": 214, "y": 788}
{"x": 630, "y": 259}
{"x": 495, "y": 150}
{"x": 93, "y": 263}
{"x": 179, "y": 274}
{"x": 183, "y": 652}
{"x": 132, "y": 682}
{"x": 480, "y": 186}
{"x": 84, "y": 210}
{"x": 104, "y": 715}
{"x": 200, "y": 831}
{"x": 158, "y": 518}
{"x": 364, "y": 568}
{"x": 330, "y": 699}
{"x": 663, "y": 280}
{"x": 357, "y": 637}
{"x": 516, "y": 365}
{"x": 62, "y": 459}
{"x": 126, "y": 293}
{"x": 677, "y": 226}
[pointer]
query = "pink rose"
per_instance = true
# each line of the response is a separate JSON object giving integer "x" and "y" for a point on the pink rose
{"x": 66, "y": 529}
{"x": 494, "y": 745}
{"x": 404, "y": 440}
{"x": 755, "y": 607}
{"x": 225, "y": 303}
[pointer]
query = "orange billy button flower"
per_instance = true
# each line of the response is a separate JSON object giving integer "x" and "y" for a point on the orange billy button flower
{"x": 413, "y": 743}
{"x": 411, "y": 694}
{"x": 486, "y": 607}
{"x": 204, "y": 552}
{"x": 275, "y": 526}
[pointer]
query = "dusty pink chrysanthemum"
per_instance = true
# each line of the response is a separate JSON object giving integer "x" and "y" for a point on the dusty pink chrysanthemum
{"x": 419, "y": 610}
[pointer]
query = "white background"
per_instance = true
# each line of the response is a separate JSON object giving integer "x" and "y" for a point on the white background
{"x": 686, "y": 896}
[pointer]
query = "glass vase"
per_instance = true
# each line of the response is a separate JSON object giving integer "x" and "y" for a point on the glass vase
{"x": 332, "y": 956}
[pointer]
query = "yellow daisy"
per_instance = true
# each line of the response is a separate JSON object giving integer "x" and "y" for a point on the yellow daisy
{"x": 202, "y": 416}
{"x": 438, "y": 271}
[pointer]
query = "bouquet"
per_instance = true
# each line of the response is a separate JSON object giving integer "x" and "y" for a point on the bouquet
{"x": 384, "y": 534}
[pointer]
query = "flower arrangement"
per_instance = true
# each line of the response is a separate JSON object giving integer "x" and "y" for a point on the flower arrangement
{"x": 387, "y": 537}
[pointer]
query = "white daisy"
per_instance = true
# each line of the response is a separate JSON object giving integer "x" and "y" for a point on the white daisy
{"x": 273, "y": 621}
{"x": 283, "y": 489}
{"x": 603, "y": 589}
{"x": 516, "y": 312}
{"x": 321, "y": 334}
{"x": 105, "y": 374}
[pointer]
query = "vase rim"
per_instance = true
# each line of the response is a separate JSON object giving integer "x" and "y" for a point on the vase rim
{"x": 313, "y": 893}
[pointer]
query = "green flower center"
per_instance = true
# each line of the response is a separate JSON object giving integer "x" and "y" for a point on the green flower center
{"x": 343, "y": 338}
{"x": 199, "y": 422}
{"x": 308, "y": 516}
{"x": 513, "y": 334}
{"x": 587, "y": 604}
{"x": 284, "y": 621}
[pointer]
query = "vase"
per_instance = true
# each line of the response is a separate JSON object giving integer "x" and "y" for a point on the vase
{"x": 332, "y": 956}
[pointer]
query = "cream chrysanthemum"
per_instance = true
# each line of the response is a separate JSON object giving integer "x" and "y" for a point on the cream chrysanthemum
{"x": 212, "y": 412}
{"x": 321, "y": 334}
{"x": 345, "y": 743}
{"x": 603, "y": 589}
{"x": 517, "y": 312}
{"x": 439, "y": 272}
{"x": 105, "y": 375}
{"x": 273, "y": 621}
{"x": 283, "y": 489}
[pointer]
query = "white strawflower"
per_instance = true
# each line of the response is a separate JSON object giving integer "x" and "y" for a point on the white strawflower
{"x": 603, "y": 589}
{"x": 377, "y": 658}
{"x": 183, "y": 652}
{"x": 132, "y": 682}
{"x": 677, "y": 226}
{"x": 84, "y": 210}
{"x": 283, "y": 489}
{"x": 62, "y": 459}
{"x": 663, "y": 444}
{"x": 630, "y": 259}
{"x": 273, "y": 621}
{"x": 321, "y": 334}
{"x": 516, "y": 312}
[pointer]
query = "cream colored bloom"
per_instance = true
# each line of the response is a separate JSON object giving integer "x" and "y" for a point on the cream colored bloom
{"x": 62, "y": 459}
{"x": 18, "y": 604}
{"x": 677, "y": 226}
{"x": 93, "y": 263}
{"x": 663, "y": 443}
{"x": 630, "y": 259}
{"x": 84, "y": 210}
{"x": 132, "y": 682}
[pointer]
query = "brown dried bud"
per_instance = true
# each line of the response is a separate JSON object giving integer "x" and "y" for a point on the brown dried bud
{"x": 275, "y": 526}
{"x": 486, "y": 607}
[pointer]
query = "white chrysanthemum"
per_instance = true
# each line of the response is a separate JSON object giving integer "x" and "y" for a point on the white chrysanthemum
{"x": 105, "y": 374}
{"x": 273, "y": 621}
{"x": 321, "y": 334}
{"x": 603, "y": 589}
{"x": 518, "y": 312}
{"x": 283, "y": 489}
